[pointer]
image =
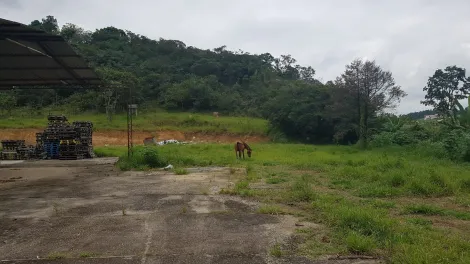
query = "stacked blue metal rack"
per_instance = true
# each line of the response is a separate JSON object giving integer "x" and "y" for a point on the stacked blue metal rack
{"x": 52, "y": 149}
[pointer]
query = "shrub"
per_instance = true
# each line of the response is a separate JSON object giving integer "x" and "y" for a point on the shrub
{"x": 457, "y": 145}
{"x": 152, "y": 159}
{"x": 142, "y": 158}
{"x": 404, "y": 138}
{"x": 382, "y": 140}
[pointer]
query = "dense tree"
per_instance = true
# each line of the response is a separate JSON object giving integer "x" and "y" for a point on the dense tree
{"x": 48, "y": 24}
{"x": 121, "y": 89}
{"x": 444, "y": 90}
{"x": 373, "y": 90}
{"x": 299, "y": 111}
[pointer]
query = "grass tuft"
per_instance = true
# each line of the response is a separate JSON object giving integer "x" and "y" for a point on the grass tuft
{"x": 360, "y": 244}
{"x": 276, "y": 251}
{"x": 86, "y": 255}
{"x": 302, "y": 190}
{"x": 271, "y": 209}
{"x": 425, "y": 209}
{"x": 181, "y": 171}
{"x": 56, "y": 255}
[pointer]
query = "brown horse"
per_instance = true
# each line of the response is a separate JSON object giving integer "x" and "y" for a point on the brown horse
{"x": 240, "y": 149}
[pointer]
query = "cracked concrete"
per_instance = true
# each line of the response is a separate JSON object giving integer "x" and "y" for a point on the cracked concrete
{"x": 54, "y": 212}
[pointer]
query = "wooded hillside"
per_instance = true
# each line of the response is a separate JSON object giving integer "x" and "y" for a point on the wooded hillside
{"x": 169, "y": 74}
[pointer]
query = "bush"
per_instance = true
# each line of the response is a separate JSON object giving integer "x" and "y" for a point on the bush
{"x": 457, "y": 145}
{"x": 142, "y": 158}
{"x": 404, "y": 138}
{"x": 382, "y": 140}
{"x": 152, "y": 159}
{"x": 432, "y": 139}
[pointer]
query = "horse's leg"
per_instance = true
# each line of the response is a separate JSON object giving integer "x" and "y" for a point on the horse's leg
{"x": 243, "y": 154}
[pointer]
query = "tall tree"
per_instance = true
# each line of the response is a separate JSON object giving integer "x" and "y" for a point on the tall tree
{"x": 444, "y": 90}
{"x": 48, "y": 24}
{"x": 120, "y": 89}
{"x": 373, "y": 89}
{"x": 75, "y": 34}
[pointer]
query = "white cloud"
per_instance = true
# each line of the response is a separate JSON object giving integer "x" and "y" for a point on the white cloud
{"x": 410, "y": 38}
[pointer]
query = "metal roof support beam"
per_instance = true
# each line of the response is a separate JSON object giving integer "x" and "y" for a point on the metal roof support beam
{"x": 66, "y": 68}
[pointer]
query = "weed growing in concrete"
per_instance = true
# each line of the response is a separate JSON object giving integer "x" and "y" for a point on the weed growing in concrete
{"x": 271, "y": 209}
{"x": 232, "y": 170}
{"x": 86, "y": 255}
{"x": 181, "y": 171}
{"x": 276, "y": 251}
{"x": 184, "y": 209}
{"x": 56, "y": 255}
{"x": 55, "y": 208}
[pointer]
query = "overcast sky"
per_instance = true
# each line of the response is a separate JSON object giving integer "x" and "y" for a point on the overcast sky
{"x": 411, "y": 38}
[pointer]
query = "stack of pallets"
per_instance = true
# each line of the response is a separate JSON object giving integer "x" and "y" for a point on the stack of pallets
{"x": 60, "y": 140}
{"x": 40, "y": 150}
{"x": 53, "y": 134}
{"x": 68, "y": 150}
{"x": 26, "y": 152}
{"x": 85, "y": 134}
{"x": 10, "y": 149}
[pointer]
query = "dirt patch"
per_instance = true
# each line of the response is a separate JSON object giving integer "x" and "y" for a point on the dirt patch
{"x": 119, "y": 138}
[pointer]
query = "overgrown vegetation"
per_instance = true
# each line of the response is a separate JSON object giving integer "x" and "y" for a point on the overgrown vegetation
{"x": 368, "y": 199}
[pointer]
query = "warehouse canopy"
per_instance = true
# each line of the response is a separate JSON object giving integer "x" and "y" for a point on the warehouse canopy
{"x": 31, "y": 57}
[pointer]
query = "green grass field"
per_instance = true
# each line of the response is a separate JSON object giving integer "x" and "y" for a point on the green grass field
{"x": 148, "y": 120}
{"x": 391, "y": 203}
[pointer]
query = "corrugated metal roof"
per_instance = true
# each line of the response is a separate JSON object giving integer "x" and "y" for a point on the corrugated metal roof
{"x": 31, "y": 57}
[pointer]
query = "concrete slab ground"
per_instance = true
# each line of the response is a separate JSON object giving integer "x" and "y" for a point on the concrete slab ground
{"x": 64, "y": 211}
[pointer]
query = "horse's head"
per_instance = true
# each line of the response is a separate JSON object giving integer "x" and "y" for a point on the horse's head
{"x": 248, "y": 151}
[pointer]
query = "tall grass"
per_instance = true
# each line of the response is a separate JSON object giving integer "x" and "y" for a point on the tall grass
{"x": 376, "y": 173}
{"x": 147, "y": 120}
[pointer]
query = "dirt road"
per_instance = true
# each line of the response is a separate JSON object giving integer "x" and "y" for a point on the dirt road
{"x": 119, "y": 138}
{"x": 88, "y": 212}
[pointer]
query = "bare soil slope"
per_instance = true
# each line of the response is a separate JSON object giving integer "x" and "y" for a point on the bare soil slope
{"x": 119, "y": 138}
